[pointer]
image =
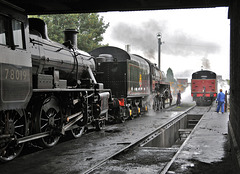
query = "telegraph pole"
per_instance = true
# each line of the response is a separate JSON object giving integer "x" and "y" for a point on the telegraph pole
{"x": 159, "y": 36}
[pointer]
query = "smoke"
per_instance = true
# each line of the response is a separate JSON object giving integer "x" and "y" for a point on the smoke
{"x": 186, "y": 95}
{"x": 222, "y": 84}
{"x": 144, "y": 37}
{"x": 205, "y": 63}
{"x": 184, "y": 73}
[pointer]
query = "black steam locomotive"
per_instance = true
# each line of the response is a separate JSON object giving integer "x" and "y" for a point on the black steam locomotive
{"x": 47, "y": 88}
{"x": 132, "y": 79}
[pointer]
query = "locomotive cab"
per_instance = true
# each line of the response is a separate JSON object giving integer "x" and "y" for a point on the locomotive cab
{"x": 16, "y": 79}
{"x": 15, "y": 60}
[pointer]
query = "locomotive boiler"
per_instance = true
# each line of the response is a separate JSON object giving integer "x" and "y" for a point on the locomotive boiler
{"x": 131, "y": 78}
{"x": 47, "y": 88}
{"x": 204, "y": 87}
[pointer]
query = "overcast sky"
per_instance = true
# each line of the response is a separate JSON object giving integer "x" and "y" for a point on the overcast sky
{"x": 193, "y": 38}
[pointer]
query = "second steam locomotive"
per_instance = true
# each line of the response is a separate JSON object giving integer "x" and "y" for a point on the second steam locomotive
{"x": 132, "y": 80}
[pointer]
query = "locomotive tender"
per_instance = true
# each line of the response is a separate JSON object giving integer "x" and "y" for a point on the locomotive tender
{"x": 131, "y": 78}
{"x": 47, "y": 88}
{"x": 204, "y": 87}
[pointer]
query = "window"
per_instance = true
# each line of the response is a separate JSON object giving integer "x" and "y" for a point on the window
{"x": 3, "y": 31}
{"x": 18, "y": 38}
{"x": 11, "y": 33}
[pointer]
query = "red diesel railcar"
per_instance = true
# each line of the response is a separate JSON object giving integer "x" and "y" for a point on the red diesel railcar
{"x": 204, "y": 87}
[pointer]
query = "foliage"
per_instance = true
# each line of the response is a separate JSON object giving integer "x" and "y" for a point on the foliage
{"x": 228, "y": 81}
{"x": 170, "y": 76}
{"x": 90, "y": 26}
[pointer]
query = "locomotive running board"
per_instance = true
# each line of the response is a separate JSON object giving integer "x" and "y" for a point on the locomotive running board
{"x": 70, "y": 90}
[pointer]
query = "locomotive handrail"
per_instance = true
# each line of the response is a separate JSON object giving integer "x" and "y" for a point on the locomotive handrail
{"x": 43, "y": 43}
{"x": 59, "y": 48}
{"x": 91, "y": 74}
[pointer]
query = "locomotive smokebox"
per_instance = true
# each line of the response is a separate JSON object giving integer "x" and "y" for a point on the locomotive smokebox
{"x": 71, "y": 35}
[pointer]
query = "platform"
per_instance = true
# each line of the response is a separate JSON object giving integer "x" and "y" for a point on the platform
{"x": 206, "y": 149}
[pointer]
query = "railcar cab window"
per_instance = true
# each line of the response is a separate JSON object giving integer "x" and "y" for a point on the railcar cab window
{"x": 12, "y": 33}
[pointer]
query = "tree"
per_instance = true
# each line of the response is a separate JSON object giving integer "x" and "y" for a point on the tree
{"x": 170, "y": 76}
{"x": 90, "y": 26}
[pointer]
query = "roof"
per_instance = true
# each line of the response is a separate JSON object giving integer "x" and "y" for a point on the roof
{"x": 80, "y": 6}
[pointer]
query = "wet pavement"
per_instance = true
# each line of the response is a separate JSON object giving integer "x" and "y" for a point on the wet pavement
{"x": 206, "y": 150}
{"x": 78, "y": 155}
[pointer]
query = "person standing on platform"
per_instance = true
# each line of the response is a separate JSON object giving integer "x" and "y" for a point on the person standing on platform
{"x": 220, "y": 100}
{"x": 170, "y": 97}
{"x": 178, "y": 98}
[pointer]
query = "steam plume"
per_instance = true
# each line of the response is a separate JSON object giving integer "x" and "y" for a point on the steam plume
{"x": 205, "y": 63}
{"x": 144, "y": 38}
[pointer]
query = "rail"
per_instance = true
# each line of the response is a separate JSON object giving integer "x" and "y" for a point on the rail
{"x": 141, "y": 141}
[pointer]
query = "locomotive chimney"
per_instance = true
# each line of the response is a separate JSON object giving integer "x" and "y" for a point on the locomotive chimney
{"x": 127, "y": 48}
{"x": 71, "y": 35}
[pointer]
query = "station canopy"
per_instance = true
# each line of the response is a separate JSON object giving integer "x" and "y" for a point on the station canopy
{"x": 80, "y": 6}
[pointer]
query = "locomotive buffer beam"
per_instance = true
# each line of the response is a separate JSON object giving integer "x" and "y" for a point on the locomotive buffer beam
{"x": 66, "y": 127}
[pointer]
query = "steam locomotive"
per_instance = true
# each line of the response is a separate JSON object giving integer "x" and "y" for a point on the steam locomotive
{"x": 204, "y": 87}
{"x": 47, "y": 88}
{"x": 132, "y": 80}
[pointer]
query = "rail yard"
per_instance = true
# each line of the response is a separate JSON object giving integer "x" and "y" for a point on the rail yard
{"x": 103, "y": 111}
{"x": 135, "y": 146}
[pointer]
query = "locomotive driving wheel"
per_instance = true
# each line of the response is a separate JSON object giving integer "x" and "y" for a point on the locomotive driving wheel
{"x": 13, "y": 125}
{"x": 122, "y": 115}
{"x": 79, "y": 127}
{"x": 78, "y": 131}
{"x": 48, "y": 119}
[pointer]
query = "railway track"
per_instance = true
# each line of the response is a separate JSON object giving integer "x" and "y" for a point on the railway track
{"x": 96, "y": 152}
{"x": 100, "y": 166}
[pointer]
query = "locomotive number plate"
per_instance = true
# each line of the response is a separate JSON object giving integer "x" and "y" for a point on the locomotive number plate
{"x": 15, "y": 83}
{"x": 16, "y": 74}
